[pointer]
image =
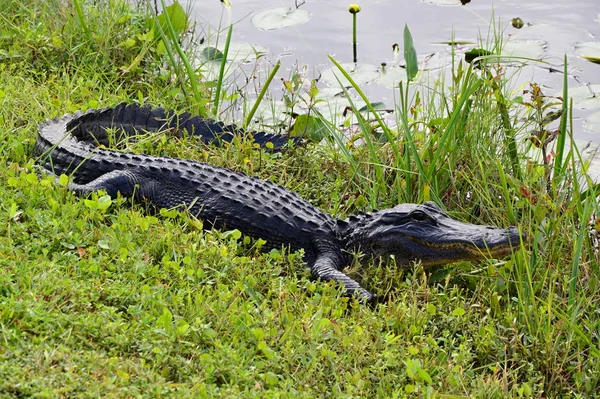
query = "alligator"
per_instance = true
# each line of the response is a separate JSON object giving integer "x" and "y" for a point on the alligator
{"x": 224, "y": 199}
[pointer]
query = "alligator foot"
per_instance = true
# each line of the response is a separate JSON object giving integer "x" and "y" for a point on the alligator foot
{"x": 324, "y": 269}
{"x": 117, "y": 181}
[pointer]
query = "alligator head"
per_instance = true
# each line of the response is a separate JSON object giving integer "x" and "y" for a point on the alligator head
{"x": 424, "y": 233}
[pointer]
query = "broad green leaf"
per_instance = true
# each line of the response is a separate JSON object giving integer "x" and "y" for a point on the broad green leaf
{"x": 63, "y": 180}
{"x": 178, "y": 18}
{"x": 210, "y": 54}
{"x": 410, "y": 55}
{"x": 308, "y": 126}
{"x": 104, "y": 202}
{"x": 165, "y": 320}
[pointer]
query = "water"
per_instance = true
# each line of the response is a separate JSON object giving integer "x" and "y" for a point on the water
{"x": 561, "y": 24}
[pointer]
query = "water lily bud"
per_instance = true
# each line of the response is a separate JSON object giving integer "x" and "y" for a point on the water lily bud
{"x": 354, "y": 8}
{"x": 517, "y": 23}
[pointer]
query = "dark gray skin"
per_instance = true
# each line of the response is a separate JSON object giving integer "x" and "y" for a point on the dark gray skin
{"x": 226, "y": 199}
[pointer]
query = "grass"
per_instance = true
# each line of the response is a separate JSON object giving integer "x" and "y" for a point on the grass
{"x": 101, "y": 297}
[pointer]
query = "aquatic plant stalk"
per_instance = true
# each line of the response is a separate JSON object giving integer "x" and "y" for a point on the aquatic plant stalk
{"x": 354, "y": 9}
{"x": 261, "y": 94}
{"x": 222, "y": 70}
{"x": 354, "y": 38}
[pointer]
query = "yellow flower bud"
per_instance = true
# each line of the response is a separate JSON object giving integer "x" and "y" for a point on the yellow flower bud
{"x": 354, "y": 8}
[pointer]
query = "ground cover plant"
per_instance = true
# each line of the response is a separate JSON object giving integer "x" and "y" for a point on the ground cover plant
{"x": 102, "y": 297}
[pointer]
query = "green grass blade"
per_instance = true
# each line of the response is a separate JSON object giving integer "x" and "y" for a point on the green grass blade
{"x": 560, "y": 142}
{"x": 386, "y": 130}
{"x": 174, "y": 40}
{"x": 222, "y": 70}
{"x": 262, "y": 93}
{"x": 81, "y": 16}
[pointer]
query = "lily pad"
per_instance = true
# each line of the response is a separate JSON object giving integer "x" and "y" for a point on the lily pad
{"x": 391, "y": 77}
{"x": 589, "y": 51}
{"x": 243, "y": 51}
{"x": 335, "y": 110}
{"x": 431, "y": 62}
{"x": 210, "y": 70}
{"x": 592, "y": 123}
{"x": 473, "y": 53}
{"x": 360, "y": 73}
{"x": 268, "y": 113}
{"x": 279, "y": 18}
{"x": 533, "y": 48}
{"x": 210, "y": 54}
{"x": 327, "y": 93}
{"x": 324, "y": 94}
{"x": 444, "y": 2}
{"x": 457, "y": 42}
{"x": 585, "y": 97}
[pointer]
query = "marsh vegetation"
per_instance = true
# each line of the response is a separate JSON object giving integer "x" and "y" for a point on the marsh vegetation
{"x": 100, "y": 297}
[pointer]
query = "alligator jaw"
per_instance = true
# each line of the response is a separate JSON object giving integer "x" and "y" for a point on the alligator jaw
{"x": 424, "y": 233}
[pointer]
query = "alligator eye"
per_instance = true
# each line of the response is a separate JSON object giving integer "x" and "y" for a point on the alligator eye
{"x": 419, "y": 216}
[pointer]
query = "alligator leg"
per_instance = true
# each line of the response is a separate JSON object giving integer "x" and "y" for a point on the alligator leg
{"x": 324, "y": 268}
{"x": 116, "y": 181}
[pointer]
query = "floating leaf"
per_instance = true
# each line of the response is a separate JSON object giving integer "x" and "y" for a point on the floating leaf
{"x": 391, "y": 77}
{"x": 335, "y": 110}
{"x": 210, "y": 54}
{"x": 269, "y": 113}
{"x": 238, "y": 52}
{"x": 210, "y": 70}
{"x": 279, "y": 18}
{"x": 327, "y": 93}
{"x": 534, "y": 48}
{"x": 592, "y": 123}
{"x": 476, "y": 52}
{"x": 444, "y": 2}
{"x": 585, "y": 97}
{"x": 589, "y": 51}
{"x": 430, "y": 62}
{"x": 244, "y": 52}
{"x": 360, "y": 73}
{"x": 377, "y": 106}
{"x": 457, "y": 42}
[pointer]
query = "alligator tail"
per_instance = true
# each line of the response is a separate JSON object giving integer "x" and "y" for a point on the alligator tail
{"x": 133, "y": 119}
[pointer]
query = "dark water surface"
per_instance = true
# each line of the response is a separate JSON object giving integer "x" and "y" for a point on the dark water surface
{"x": 560, "y": 24}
